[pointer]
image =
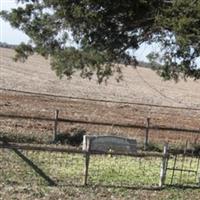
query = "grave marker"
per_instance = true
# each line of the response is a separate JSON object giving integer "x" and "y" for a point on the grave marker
{"x": 109, "y": 143}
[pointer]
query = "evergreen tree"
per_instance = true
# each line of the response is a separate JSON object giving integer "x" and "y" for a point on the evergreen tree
{"x": 104, "y": 30}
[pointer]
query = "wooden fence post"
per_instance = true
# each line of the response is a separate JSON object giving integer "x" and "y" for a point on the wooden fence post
{"x": 164, "y": 164}
{"x": 146, "y": 140}
{"x": 56, "y": 124}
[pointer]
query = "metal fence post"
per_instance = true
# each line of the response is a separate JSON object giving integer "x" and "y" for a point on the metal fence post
{"x": 146, "y": 140}
{"x": 164, "y": 164}
{"x": 56, "y": 124}
{"x": 87, "y": 161}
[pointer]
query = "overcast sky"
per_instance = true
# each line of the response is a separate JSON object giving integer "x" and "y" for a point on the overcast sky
{"x": 7, "y": 33}
{"x": 14, "y": 36}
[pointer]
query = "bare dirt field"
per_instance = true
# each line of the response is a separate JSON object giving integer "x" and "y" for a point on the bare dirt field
{"x": 140, "y": 85}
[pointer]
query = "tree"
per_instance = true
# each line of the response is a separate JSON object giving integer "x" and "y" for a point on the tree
{"x": 104, "y": 31}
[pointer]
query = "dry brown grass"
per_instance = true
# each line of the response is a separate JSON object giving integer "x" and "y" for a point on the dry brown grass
{"x": 141, "y": 85}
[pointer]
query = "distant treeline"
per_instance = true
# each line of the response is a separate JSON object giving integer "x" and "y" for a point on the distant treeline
{"x": 6, "y": 45}
{"x": 154, "y": 66}
{"x": 144, "y": 64}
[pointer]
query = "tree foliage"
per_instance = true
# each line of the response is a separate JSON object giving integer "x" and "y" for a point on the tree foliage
{"x": 104, "y": 31}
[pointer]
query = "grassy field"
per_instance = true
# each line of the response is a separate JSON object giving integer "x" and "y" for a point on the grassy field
{"x": 69, "y": 169}
{"x": 109, "y": 177}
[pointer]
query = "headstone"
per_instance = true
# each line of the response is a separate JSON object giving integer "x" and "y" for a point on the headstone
{"x": 109, "y": 143}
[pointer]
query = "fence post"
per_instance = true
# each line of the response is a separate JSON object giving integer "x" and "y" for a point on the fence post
{"x": 164, "y": 164}
{"x": 56, "y": 123}
{"x": 146, "y": 140}
{"x": 87, "y": 160}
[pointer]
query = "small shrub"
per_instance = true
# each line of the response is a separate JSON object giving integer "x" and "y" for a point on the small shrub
{"x": 74, "y": 137}
{"x": 154, "y": 147}
{"x": 196, "y": 149}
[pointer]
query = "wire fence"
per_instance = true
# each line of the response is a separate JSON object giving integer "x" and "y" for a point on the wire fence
{"x": 31, "y": 166}
{"x": 99, "y": 100}
{"x": 125, "y": 171}
{"x": 47, "y": 168}
{"x": 43, "y": 129}
{"x": 183, "y": 170}
{"x": 47, "y": 165}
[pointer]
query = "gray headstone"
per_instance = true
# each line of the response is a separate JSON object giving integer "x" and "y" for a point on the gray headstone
{"x": 109, "y": 143}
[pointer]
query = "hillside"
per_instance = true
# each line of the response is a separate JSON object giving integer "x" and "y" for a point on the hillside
{"x": 140, "y": 85}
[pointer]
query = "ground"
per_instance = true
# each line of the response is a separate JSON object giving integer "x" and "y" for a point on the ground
{"x": 13, "y": 103}
{"x": 94, "y": 193}
{"x": 20, "y": 182}
{"x": 140, "y": 86}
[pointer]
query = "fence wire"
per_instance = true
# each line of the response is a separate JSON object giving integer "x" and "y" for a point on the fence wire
{"x": 37, "y": 167}
{"x": 124, "y": 171}
{"x": 55, "y": 168}
{"x": 183, "y": 170}
{"x": 41, "y": 132}
{"x": 59, "y": 168}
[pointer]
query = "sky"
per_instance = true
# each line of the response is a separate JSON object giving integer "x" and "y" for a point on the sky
{"x": 14, "y": 36}
{"x": 7, "y": 33}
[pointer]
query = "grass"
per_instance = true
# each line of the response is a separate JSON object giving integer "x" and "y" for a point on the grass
{"x": 185, "y": 177}
{"x": 125, "y": 171}
{"x": 94, "y": 193}
{"x": 69, "y": 168}
{"x": 27, "y": 137}
{"x": 19, "y": 181}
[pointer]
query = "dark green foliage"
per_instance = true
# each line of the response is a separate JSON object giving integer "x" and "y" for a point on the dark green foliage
{"x": 154, "y": 147}
{"x": 103, "y": 31}
{"x": 74, "y": 137}
{"x": 179, "y": 26}
{"x": 9, "y": 46}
